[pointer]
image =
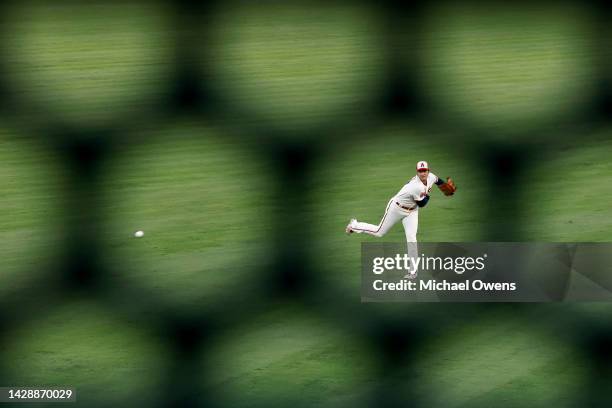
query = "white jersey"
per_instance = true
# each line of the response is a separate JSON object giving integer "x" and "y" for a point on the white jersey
{"x": 415, "y": 191}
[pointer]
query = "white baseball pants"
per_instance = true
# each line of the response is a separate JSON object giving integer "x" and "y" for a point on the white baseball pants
{"x": 393, "y": 213}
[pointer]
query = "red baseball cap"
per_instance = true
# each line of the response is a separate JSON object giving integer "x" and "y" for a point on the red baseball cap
{"x": 422, "y": 165}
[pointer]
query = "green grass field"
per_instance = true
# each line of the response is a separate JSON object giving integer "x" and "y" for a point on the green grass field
{"x": 505, "y": 68}
{"x": 198, "y": 196}
{"x": 31, "y": 210}
{"x": 87, "y": 65}
{"x": 108, "y": 360}
{"x": 204, "y": 196}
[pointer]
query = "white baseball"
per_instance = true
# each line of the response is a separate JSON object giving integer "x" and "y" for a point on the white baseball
{"x": 139, "y": 234}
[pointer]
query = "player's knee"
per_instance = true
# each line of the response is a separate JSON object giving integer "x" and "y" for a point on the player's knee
{"x": 380, "y": 234}
{"x": 411, "y": 238}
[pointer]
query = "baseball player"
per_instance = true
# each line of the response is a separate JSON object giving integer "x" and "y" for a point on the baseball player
{"x": 405, "y": 206}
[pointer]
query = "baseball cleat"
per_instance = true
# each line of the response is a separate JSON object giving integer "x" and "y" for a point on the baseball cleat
{"x": 349, "y": 227}
{"x": 411, "y": 275}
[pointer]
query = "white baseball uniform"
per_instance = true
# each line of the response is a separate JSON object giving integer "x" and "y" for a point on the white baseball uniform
{"x": 403, "y": 206}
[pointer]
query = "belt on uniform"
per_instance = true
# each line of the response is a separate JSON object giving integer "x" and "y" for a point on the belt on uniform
{"x": 404, "y": 207}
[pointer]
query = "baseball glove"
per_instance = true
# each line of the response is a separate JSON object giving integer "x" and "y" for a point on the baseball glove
{"x": 449, "y": 187}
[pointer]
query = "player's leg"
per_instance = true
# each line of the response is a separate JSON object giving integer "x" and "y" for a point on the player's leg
{"x": 411, "y": 224}
{"x": 392, "y": 215}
